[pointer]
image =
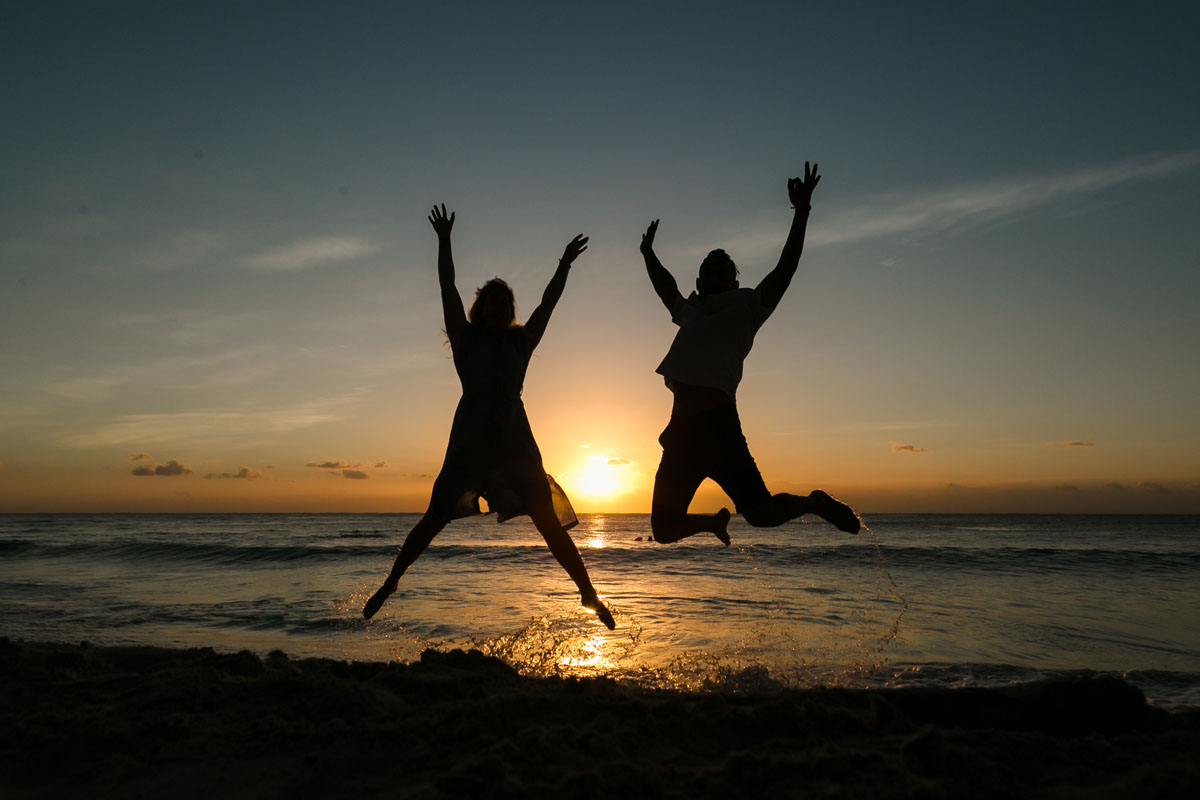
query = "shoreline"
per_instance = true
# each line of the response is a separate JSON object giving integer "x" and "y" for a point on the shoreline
{"x": 124, "y": 721}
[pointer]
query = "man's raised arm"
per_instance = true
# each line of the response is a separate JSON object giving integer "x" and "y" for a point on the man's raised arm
{"x": 662, "y": 280}
{"x": 772, "y": 287}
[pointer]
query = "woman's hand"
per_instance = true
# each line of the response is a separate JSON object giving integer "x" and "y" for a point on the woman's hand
{"x": 573, "y": 249}
{"x": 440, "y": 222}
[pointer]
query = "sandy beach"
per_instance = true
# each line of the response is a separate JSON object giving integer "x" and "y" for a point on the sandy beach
{"x": 123, "y": 722}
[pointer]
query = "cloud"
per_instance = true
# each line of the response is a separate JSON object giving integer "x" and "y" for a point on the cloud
{"x": 237, "y": 365}
{"x": 381, "y": 465}
{"x": 960, "y": 207}
{"x": 354, "y": 474}
{"x": 1070, "y": 444}
{"x": 990, "y": 201}
{"x": 338, "y": 464}
{"x": 207, "y": 427}
{"x": 139, "y": 456}
{"x": 1087, "y": 496}
{"x": 617, "y": 462}
{"x": 170, "y": 469}
{"x": 328, "y": 464}
{"x": 907, "y": 448}
{"x": 309, "y": 252}
{"x": 245, "y": 473}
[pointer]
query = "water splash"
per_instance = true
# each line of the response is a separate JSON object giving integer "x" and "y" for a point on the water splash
{"x": 893, "y": 632}
{"x": 566, "y": 646}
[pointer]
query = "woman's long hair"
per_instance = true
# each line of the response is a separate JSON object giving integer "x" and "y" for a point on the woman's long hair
{"x": 484, "y": 292}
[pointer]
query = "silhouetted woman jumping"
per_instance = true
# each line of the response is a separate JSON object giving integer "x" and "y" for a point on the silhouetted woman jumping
{"x": 492, "y": 452}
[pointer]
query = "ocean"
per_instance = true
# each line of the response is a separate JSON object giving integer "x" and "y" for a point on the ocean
{"x": 914, "y": 600}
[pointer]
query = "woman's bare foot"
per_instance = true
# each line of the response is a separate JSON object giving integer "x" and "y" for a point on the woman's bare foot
{"x": 721, "y": 518}
{"x": 376, "y": 602}
{"x": 601, "y": 610}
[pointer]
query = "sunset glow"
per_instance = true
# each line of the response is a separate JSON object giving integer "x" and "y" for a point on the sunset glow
{"x": 218, "y": 284}
{"x": 602, "y": 477}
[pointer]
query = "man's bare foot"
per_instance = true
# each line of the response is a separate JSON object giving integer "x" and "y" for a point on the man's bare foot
{"x": 722, "y": 520}
{"x": 601, "y": 610}
{"x": 376, "y": 602}
{"x": 835, "y": 512}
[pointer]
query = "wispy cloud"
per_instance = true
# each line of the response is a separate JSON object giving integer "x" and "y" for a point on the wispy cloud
{"x": 908, "y": 449}
{"x": 332, "y": 464}
{"x": 310, "y": 252}
{"x": 170, "y": 469}
{"x": 336, "y": 464}
{"x": 139, "y": 456}
{"x": 245, "y": 473}
{"x": 229, "y": 367}
{"x": 347, "y": 470}
{"x": 990, "y": 201}
{"x": 961, "y": 207}
{"x": 1070, "y": 444}
{"x": 210, "y": 427}
{"x": 618, "y": 462}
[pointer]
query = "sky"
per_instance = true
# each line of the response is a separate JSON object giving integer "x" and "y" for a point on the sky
{"x": 218, "y": 287}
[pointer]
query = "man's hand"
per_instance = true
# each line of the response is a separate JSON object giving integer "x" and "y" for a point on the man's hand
{"x": 647, "y": 245}
{"x": 573, "y": 249}
{"x": 800, "y": 191}
{"x": 440, "y": 222}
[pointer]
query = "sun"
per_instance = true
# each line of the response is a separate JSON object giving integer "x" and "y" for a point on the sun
{"x": 601, "y": 477}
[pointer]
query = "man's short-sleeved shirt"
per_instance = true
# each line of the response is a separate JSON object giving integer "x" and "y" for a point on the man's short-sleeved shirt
{"x": 715, "y": 335}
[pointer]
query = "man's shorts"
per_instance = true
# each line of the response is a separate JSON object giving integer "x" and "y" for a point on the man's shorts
{"x": 708, "y": 445}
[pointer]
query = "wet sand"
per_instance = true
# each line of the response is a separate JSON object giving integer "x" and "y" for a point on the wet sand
{"x": 125, "y": 722}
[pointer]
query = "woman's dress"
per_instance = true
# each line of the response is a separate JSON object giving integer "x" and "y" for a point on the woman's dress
{"x": 492, "y": 452}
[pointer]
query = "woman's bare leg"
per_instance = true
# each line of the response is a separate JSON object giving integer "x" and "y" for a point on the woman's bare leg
{"x": 563, "y": 548}
{"x": 416, "y": 542}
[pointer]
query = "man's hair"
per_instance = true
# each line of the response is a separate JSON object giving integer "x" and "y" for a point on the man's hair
{"x": 717, "y": 259}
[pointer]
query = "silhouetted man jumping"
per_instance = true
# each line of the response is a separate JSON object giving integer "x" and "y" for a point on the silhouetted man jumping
{"x": 702, "y": 369}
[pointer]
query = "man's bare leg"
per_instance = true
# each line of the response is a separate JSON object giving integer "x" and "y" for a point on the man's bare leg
{"x": 669, "y": 517}
{"x": 785, "y": 507}
{"x": 671, "y": 527}
{"x": 416, "y": 542}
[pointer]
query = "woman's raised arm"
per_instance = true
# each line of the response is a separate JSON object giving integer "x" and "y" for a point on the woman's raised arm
{"x": 452, "y": 306}
{"x": 535, "y": 326}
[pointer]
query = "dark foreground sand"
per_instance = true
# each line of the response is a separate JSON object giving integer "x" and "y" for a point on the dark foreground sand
{"x": 147, "y": 722}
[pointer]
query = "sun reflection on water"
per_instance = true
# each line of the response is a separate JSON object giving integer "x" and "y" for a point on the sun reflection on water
{"x": 597, "y": 532}
{"x": 590, "y": 654}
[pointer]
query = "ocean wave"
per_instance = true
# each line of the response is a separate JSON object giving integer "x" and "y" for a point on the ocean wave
{"x": 663, "y": 559}
{"x": 211, "y": 554}
{"x": 1027, "y": 560}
